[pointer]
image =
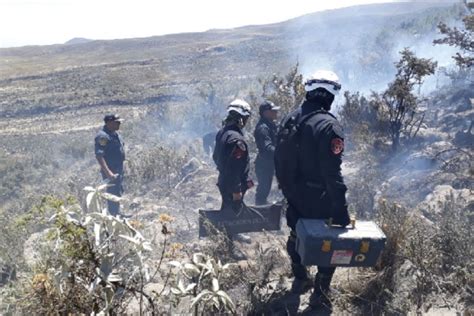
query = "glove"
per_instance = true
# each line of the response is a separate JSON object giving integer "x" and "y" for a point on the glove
{"x": 342, "y": 218}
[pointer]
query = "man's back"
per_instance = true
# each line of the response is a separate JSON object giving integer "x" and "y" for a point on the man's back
{"x": 226, "y": 139}
{"x": 319, "y": 187}
{"x": 265, "y": 138}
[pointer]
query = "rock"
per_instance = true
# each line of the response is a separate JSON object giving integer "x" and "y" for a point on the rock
{"x": 435, "y": 201}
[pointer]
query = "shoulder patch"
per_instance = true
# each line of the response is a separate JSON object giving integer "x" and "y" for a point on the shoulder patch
{"x": 239, "y": 150}
{"x": 337, "y": 146}
{"x": 102, "y": 141}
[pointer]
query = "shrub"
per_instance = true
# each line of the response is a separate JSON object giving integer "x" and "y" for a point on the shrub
{"x": 160, "y": 164}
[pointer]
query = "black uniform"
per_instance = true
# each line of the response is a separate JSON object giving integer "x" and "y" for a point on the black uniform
{"x": 110, "y": 145}
{"x": 320, "y": 189}
{"x": 232, "y": 159}
{"x": 265, "y": 138}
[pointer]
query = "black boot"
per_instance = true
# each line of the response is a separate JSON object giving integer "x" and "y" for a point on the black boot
{"x": 302, "y": 282}
{"x": 320, "y": 299}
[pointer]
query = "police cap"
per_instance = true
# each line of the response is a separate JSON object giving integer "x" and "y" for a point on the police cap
{"x": 112, "y": 117}
{"x": 268, "y": 105}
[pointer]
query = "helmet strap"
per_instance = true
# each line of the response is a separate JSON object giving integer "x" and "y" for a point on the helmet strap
{"x": 235, "y": 118}
{"x": 321, "y": 97}
{"x": 242, "y": 121}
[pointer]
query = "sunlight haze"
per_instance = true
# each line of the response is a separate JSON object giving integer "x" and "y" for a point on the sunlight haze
{"x": 42, "y": 22}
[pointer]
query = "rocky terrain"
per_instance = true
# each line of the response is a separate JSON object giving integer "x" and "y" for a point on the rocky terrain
{"x": 173, "y": 89}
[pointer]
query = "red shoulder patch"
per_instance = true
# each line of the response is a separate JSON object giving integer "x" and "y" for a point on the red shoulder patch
{"x": 337, "y": 146}
{"x": 238, "y": 153}
{"x": 239, "y": 150}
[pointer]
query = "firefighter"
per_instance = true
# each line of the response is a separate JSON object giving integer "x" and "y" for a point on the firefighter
{"x": 232, "y": 159}
{"x": 110, "y": 154}
{"x": 265, "y": 138}
{"x": 318, "y": 189}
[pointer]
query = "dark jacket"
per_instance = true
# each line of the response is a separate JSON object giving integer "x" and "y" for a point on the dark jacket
{"x": 232, "y": 159}
{"x": 110, "y": 145}
{"x": 320, "y": 185}
{"x": 265, "y": 139}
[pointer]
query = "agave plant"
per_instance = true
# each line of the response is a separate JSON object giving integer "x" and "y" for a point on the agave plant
{"x": 117, "y": 249}
{"x": 200, "y": 279}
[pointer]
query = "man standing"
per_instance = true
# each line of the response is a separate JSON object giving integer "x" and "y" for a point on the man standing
{"x": 316, "y": 189}
{"x": 265, "y": 138}
{"x": 232, "y": 160}
{"x": 109, "y": 151}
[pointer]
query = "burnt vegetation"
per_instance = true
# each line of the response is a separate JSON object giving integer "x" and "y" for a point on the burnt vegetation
{"x": 408, "y": 165}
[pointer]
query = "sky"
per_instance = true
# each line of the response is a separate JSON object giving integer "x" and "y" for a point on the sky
{"x": 41, "y": 22}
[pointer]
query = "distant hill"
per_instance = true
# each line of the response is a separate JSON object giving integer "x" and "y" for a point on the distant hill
{"x": 77, "y": 40}
{"x": 360, "y": 43}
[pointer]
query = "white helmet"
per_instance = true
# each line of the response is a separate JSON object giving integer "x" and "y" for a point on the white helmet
{"x": 240, "y": 106}
{"x": 325, "y": 79}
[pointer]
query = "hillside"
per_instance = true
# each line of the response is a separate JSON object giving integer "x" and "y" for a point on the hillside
{"x": 353, "y": 41}
{"x": 172, "y": 90}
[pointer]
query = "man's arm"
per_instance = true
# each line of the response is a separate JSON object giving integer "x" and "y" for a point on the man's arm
{"x": 234, "y": 167}
{"x": 265, "y": 142}
{"x": 101, "y": 142}
{"x": 103, "y": 166}
{"x": 330, "y": 151}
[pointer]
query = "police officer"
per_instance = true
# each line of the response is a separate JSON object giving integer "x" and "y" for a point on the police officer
{"x": 265, "y": 138}
{"x": 109, "y": 151}
{"x": 232, "y": 157}
{"x": 232, "y": 160}
{"x": 320, "y": 189}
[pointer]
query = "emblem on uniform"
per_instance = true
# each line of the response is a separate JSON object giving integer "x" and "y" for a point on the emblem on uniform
{"x": 239, "y": 150}
{"x": 337, "y": 146}
{"x": 103, "y": 141}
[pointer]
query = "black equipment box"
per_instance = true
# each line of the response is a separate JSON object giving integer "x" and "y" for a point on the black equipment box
{"x": 250, "y": 219}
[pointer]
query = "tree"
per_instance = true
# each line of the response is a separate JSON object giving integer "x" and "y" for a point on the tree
{"x": 399, "y": 100}
{"x": 463, "y": 39}
{"x": 286, "y": 91}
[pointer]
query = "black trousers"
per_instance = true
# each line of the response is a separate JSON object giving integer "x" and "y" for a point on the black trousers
{"x": 299, "y": 270}
{"x": 264, "y": 169}
{"x": 228, "y": 203}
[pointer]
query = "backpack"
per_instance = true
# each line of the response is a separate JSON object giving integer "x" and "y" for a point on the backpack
{"x": 287, "y": 152}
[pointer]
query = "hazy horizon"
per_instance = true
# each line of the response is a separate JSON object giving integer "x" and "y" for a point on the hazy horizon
{"x": 46, "y": 22}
